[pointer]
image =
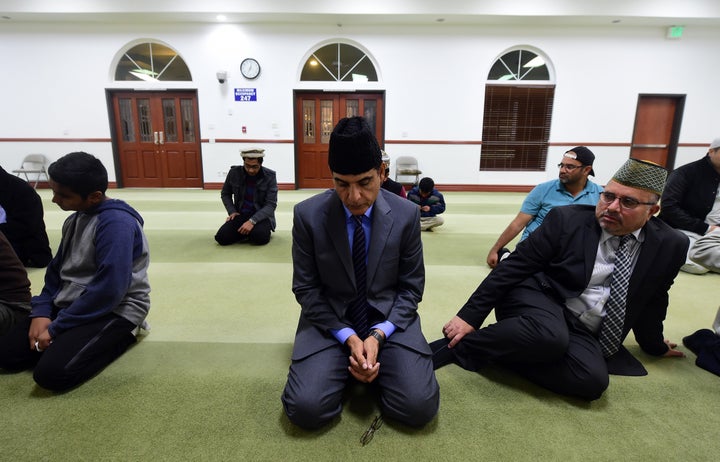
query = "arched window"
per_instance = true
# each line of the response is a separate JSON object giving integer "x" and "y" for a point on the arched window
{"x": 153, "y": 62}
{"x": 519, "y": 99}
{"x": 519, "y": 65}
{"x": 339, "y": 62}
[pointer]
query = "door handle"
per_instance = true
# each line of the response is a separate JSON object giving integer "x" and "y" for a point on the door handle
{"x": 156, "y": 137}
{"x": 162, "y": 137}
{"x": 650, "y": 146}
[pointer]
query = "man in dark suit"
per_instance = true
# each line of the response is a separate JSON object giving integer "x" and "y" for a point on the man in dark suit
{"x": 555, "y": 297}
{"x": 350, "y": 331}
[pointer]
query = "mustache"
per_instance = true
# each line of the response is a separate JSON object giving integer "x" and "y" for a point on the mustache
{"x": 613, "y": 215}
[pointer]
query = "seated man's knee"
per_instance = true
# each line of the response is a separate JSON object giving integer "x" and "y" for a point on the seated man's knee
{"x": 416, "y": 409}
{"x": 307, "y": 412}
{"x": 53, "y": 378}
{"x": 592, "y": 386}
{"x": 223, "y": 239}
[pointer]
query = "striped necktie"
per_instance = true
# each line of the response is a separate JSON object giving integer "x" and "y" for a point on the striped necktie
{"x": 358, "y": 312}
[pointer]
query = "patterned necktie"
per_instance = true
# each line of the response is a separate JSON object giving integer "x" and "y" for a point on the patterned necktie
{"x": 612, "y": 326}
{"x": 358, "y": 312}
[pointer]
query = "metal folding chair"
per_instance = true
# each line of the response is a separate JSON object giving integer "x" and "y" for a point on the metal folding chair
{"x": 33, "y": 164}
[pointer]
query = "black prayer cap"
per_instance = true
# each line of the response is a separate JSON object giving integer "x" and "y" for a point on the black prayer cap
{"x": 353, "y": 147}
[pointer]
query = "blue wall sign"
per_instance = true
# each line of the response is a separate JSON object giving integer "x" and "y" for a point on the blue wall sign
{"x": 246, "y": 94}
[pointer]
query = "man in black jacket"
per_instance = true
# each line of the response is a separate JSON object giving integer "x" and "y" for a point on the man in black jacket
{"x": 691, "y": 204}
{"x": 553, "y": 296}
{"x": 250, "y": 198}
{"x": 21, "y": 220}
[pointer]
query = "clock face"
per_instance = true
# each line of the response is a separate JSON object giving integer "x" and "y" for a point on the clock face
{"x": 250, "y": 68}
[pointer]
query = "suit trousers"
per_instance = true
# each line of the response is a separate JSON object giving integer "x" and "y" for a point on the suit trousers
{"x": 409, "y": 392}
{"x": 228, "y": 233}
{"x": 540, "y": 339}
{"x": 74, "y": 356}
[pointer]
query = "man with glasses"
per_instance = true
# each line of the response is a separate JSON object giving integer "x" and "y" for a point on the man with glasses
{"x": 249, "y": 195}
{"x": 691, "y": 204}
{"x": 571, "y": 187}
{"x": 569, "y": 294}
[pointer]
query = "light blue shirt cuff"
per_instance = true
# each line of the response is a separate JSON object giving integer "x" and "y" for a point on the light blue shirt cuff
{"x": 342, "y": 334}
{"x": 387, "y": 327}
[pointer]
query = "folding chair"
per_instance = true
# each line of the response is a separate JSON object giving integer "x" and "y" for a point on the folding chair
{"x": 33, "y": 164}
{"x": 407, "y": 171}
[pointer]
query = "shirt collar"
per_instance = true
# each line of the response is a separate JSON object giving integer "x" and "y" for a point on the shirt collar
{"x": 638, "y": 233}
{"x": 367, "y": 214}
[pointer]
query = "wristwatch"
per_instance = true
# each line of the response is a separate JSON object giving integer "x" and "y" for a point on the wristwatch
{"x": 252, "y": 221}
{"x": 378, "y": 336}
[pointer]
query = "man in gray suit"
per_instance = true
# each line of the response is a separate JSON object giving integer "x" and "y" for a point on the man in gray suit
{"x": 349, "y": 330}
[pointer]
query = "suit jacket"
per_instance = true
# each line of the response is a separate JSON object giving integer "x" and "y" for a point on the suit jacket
{"x": 690, "y": 195}
{"x": 324, "y": 278}
{"x": 560, "y": 255}
{"x": 25, "y": 226}
{"x": 266, "y": 192}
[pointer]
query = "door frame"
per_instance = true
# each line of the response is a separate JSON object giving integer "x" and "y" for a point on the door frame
{"x": 114, "y": 136}
{"x": 674, "y": 138}
{"x": 298, "y": 118}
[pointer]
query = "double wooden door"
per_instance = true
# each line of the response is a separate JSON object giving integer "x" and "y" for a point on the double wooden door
{"x": 158, "y": 139}
{"x": 316, "y": 114}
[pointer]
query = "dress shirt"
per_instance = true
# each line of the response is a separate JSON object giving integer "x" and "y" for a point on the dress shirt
{"x": 589, "y": 306}
{"x": 386, "y": 326}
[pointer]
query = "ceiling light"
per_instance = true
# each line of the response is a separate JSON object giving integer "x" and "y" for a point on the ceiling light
{"x": 537, "y": 61}
{"x": 144, "y": 74}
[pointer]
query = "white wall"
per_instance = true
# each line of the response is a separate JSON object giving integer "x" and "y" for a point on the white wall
{"x": 54, "y": 77}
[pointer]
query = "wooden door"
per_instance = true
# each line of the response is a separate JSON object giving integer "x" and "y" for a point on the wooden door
{"x": 158, "y": 139}
{"x": 316, "y": 115}
{"x": 657, "y": 128}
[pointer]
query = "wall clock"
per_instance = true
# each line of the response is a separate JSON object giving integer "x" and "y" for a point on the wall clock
{"x": 250, "y": 68}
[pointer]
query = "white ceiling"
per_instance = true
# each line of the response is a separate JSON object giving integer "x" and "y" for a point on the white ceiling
{"x": 371, "y": 12}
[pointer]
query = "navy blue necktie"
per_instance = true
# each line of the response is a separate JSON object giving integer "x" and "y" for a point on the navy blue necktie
{"x": 358, "y": 312}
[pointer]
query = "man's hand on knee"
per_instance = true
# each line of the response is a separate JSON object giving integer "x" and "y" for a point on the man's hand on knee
{"x": 456, "y": 329}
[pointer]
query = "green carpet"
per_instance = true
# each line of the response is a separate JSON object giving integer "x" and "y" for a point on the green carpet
{"x": 205, "y": 383}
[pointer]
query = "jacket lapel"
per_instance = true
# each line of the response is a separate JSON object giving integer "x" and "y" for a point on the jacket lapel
{"x": 381, "y": 225}
{"x": 593, "y": 233}
{"x": 646, "y": 259}
{"x": 337, "y": 229}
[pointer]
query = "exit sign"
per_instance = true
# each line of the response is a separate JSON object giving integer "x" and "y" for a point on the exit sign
{"x": 675, "y": 32}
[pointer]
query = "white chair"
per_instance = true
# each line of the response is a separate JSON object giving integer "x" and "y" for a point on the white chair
{"x": 33, "y": 164}
{"x": 407, "y": 171}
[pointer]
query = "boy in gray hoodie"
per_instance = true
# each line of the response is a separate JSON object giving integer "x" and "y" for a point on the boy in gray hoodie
{"x": 96, "y": 291}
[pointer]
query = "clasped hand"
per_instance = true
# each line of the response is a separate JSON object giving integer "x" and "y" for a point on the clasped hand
{"x": 363, "y": 358}
{"x": 39, "y": 333}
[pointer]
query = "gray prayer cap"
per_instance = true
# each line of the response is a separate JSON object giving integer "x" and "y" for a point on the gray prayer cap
{"x": 642, "y": 174}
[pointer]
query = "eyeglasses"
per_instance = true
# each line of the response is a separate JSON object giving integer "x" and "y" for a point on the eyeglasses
{"x": 370, "y": 432}
{"x": 625, "y": 202}
{"x": 569, "y": 167}
{"x": 251, "y": 167}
